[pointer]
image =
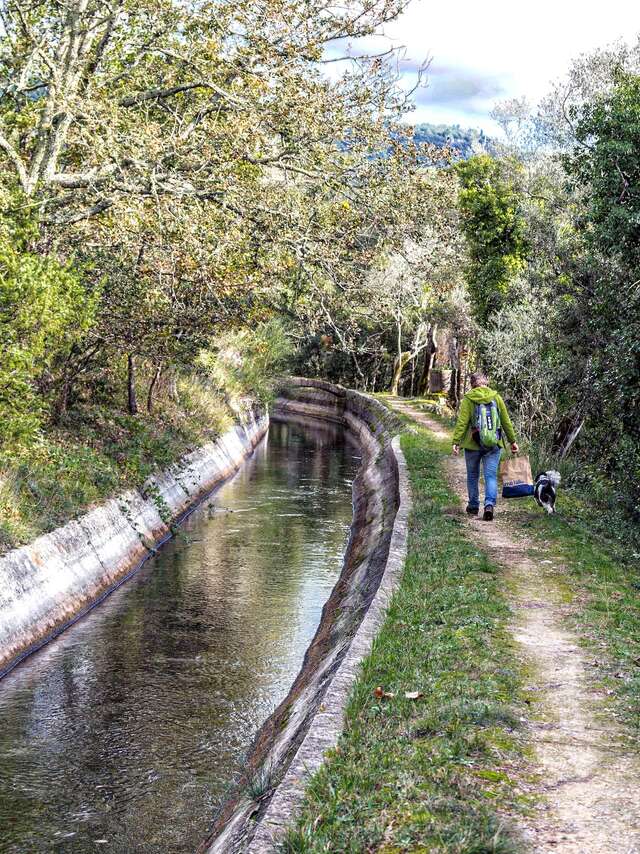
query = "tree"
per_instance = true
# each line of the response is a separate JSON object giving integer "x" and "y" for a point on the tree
{"x": 379, "y": 322}
{"x": 590, "y": 77}
{"x": 567, "y": 352}
{"x": 197, "y": 160}
{"x": 605, "y": 165}
{"x": 105, "y": 100}
{"x": 44, "y": 310}
{"x": 492, "y": 221}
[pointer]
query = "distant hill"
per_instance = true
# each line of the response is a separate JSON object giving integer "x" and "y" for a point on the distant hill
{"x": 467, "y": 141}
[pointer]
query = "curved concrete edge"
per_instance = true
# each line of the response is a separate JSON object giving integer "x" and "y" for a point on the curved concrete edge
{"x": 327, "y": 725}
{"x": 48, "y": 585}
{"x": 290, "y": 746}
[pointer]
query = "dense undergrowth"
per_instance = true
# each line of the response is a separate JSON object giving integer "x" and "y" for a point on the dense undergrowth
{"x": 431, "y": 774}
{"x": 97, "y": 448}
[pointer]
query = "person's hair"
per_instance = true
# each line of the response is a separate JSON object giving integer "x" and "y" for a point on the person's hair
{"x": 478, "y": 378}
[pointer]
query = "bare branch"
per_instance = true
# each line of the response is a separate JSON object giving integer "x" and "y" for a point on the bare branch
{"x": 15, "y": 158}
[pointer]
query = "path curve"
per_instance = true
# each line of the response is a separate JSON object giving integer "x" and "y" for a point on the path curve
{"x": 589, "y": 782}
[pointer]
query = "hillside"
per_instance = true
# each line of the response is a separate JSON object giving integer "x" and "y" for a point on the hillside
{"x": 467, "y": 141}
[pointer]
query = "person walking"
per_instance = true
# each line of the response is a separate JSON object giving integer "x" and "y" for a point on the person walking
{"x": 466, "y": 434}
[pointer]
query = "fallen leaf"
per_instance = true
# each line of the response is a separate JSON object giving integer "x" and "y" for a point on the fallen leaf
{"x": 413, "y": 695}
{"x": 379, "y": 693}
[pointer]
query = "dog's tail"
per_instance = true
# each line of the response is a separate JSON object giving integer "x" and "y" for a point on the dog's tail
{"x": 554, "y": 477}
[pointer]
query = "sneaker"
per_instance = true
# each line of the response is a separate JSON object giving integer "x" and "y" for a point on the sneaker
{"x": 472, "y": 511}
{"x": 488, "y": 513}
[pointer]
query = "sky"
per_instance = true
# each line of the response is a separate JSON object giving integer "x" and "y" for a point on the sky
{"x": 483, "y": 51}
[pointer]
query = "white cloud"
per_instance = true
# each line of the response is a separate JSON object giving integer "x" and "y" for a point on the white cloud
{"x": 484, "y": 51}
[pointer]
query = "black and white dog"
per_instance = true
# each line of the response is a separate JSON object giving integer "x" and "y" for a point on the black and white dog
{"x": 545, "y": 488}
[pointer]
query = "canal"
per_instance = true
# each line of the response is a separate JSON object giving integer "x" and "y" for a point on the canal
{"x": 125, "y": 733}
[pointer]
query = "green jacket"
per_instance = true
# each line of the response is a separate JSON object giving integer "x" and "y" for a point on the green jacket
{"x": 462, "y": 431}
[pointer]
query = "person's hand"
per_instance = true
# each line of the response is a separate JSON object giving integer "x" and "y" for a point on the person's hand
{"x": 514, "y": 447}
{"x": 456, "y": 450}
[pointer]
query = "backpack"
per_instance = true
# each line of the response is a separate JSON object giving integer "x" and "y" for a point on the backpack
{"x": 485, "y": 429}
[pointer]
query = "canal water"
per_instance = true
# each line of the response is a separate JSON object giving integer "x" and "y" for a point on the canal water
{"x": 125, "y": 733}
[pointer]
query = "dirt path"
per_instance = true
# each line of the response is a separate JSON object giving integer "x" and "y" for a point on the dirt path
{"x": 591, "y": 786}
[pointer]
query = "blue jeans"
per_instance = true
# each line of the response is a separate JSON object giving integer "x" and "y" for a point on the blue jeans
{"x": 490, "y": 461}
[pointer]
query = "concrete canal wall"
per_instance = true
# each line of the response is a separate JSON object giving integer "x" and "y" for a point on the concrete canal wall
{"x": 51, "y": 582}
{"x": 291, "y": 745}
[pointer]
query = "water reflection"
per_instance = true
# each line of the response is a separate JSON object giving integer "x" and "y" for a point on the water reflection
{"x": 124, "y": 734}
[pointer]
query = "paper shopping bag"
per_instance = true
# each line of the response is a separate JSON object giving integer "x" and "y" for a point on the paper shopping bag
{"x": 517, "y": 481}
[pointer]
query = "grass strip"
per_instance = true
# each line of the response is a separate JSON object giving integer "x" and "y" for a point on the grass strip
{"x": 435, "y": 773}
{"x": 601, "y": 581}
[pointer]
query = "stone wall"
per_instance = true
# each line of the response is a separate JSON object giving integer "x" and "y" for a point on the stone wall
{"x": 52, "y": 582}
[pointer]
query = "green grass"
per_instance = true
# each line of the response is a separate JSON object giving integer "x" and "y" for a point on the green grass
{"x": 600, "y": 578}
{"x": 434, "y": 774}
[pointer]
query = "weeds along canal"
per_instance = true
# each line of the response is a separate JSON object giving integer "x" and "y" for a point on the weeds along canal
{"x": 126, "y": 732}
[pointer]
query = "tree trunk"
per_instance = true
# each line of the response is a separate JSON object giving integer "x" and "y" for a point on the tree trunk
{"x": 62, "y": 402}
{"x": 462, "y": 370}
{"x": 570, "y": 438}
{"x": 460, "y": 383}
{"x": 567, "y": 433}
{"x": 154, "y": 381}
{"x": 399, "y": 364}
{"x": 173, "y": 387}
{"x": 454, "y": 400}
{"x": 359, "y": 369}
{"x": 131, "y": 385}
{"x": 429, "y": 359}
{"x": 395, "y": 380}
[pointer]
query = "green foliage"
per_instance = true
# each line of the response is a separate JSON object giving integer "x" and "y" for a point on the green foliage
{"x": 44, "y": 310}
{"x": 605, "y": 167}
{"x": 193, "y": 189}
{"x": 49, "y": 483}
{"x": 565, "y": 346}
{"x": 495, "y": 229}
{"x": 247, "y": 360}
{"x": 98, "y": 454}
{"x": 607, "y": 162}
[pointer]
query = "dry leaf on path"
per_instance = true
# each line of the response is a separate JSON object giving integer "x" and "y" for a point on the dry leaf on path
{"x": 413, "y": 695}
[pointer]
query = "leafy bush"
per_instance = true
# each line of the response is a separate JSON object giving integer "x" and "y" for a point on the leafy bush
{"x": 44, "y": 309}
{"x": 495, "y": 228}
